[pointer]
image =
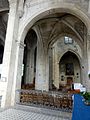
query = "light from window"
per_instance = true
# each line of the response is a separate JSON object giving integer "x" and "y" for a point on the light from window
{"x": 68, "y": 40}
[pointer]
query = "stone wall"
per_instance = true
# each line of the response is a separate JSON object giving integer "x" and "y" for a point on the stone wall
{"x": 81, "y": 3}
{"x": 59, "y": 49}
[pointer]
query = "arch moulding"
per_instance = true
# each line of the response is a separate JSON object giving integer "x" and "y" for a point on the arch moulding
{"x": 66, "y": 34}
{"x": 74, "y": 52}
{"x": 31, "y": 20}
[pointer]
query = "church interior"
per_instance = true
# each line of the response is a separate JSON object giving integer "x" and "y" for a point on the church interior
{"x": 44, "y": 52}
{"x": 63, "y": 38}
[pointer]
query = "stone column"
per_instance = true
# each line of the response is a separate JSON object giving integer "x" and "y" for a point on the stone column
{"x": 85, "y": 62}
{"x": 10, "y": 52}
{"x": 27, "y": 67}
{"x": 50, "y": 67}
{"x": 42, "y": 68}
{"x": 29, "y": 76}
{"x": 46, "y": 84}
{"x": 56, "y": 69}
{"x": 53, "y": 74}
{"x": 88, "y": 57}
{"x": 17, "y": 72}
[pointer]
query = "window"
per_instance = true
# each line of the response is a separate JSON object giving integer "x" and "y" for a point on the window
{"x": 68, "y": 40}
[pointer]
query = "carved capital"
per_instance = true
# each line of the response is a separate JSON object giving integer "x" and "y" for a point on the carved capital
{"x": 20, "y": 44}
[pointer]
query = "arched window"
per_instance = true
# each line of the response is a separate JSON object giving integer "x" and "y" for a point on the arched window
{"x": 68, "y": 40}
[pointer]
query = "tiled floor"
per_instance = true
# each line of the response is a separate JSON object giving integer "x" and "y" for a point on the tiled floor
{"x": 25, "y": 113}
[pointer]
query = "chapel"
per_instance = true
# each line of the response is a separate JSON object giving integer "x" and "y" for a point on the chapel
{"x": 44, "y": 50}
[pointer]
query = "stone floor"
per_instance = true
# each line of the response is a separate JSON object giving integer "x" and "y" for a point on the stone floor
{"x": 32, "y": 113}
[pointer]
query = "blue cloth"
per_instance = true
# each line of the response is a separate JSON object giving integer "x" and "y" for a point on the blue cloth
{"x": 80, "y": 110}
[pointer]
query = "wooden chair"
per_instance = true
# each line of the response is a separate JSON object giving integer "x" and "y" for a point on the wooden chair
{"x": 58, "y": 102}
{"x": 30, "y": 97}
{"x": 40, "y": 99}
{"x": 70, "y": 102}
{"x": 35, "y": 98}
{"x": 45, "y": 99}
{"x": 65, "y": 102}
{"x": 51, "y": 100}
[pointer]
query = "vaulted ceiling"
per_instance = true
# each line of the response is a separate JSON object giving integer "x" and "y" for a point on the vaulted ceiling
{"x": 52, "y": 26}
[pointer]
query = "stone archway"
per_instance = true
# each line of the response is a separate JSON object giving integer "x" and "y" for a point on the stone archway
{"x": 56, "y": 52}
{"x": 69, "y": 67}
{"x": 29, "y": 60}
{"x": 29, "y": 22}
{"x": 65, "y": 72}
{"x": 25, "y": 23}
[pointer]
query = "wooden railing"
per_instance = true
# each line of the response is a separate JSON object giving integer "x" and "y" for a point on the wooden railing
{"x": 51, "y": 99}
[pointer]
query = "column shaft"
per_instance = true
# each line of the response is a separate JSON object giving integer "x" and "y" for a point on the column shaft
{"x": 42, "y": 71}
{"x": 10, "y": 53}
